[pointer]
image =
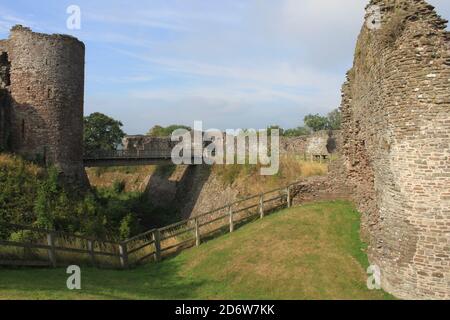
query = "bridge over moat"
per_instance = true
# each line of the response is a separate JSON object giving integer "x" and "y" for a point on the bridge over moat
{"x": 118, "y": 158}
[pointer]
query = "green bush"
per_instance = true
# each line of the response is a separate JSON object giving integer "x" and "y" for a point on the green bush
{"x": 119, "y": 186}
{"x": 18, "y": 189}
{"x": 23, "y": 236}
{"x": 128, "y": 226}
{"x": 30, "y": 195}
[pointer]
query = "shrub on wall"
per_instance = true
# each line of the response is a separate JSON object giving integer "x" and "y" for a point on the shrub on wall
{"x": 18, "y": 189}
{"x": 30, "y": 195}
{"x": 392, "y": 29}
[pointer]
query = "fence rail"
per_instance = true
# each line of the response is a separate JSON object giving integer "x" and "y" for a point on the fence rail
{"x": 153, "y": 244}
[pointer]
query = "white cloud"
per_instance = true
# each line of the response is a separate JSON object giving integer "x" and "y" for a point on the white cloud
{"x": 8, "y": 20}
{"x": 136, "y": 19}
{"x": 123, "y": 80}
{"x": 247, "y": 63}
{"x": 275, "y": 73}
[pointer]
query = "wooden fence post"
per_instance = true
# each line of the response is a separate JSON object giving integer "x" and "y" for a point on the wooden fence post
{"x": 157, "y": 239}
{"x": 123, "y": 255}
{"x": 261, "y": 205}
{"x": 288, "y": 194}
{"x": 197, "y": 233}
{"x": 230, "y": 212}
{"x": 91, "y": 251}
{"x": 51, "y": 250}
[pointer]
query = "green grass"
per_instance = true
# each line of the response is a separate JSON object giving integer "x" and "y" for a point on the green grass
{"x": 309, "y": 252}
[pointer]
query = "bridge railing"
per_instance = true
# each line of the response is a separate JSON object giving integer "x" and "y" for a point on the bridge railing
{"x": 127, "y": 154}
{"x": 135, "y": 154}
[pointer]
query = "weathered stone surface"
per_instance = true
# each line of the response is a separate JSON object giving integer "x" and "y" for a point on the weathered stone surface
{"x": 147, "y": 143}
{"x": 4, "y": 100}
{"x": 46, "y": 93}
{"x": 396, "y": 146}
{"x": 322, "y": 143}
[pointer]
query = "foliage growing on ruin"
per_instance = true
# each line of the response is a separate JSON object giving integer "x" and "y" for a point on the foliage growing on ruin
{"x": 292, "y": 168}
{"x": 129, "y": 226}
{"x": 119, "y": 186}
{"x": 393, "y": 28}
{"x": 159, "y": 131}
{"x": 334, "y": 119}
{"x": 18, "y": 189}
{"x": 313, "y": 122}
{"x": 30, "y": 195}
{"x": 297, "y": 132}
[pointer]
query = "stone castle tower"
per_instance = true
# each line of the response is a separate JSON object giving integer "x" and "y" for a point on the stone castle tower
{"x": 396, "y": 136}
{"x": 41, "y": 99}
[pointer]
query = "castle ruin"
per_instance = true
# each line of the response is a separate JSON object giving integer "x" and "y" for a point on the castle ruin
{"x": 41, "y": 99}
{"x": 395, "y": 135}
{"x": 396, "y": 146}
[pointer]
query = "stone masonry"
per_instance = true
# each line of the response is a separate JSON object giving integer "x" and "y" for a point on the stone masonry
{"x": 321, "y": 143}
{"x": 396, "y": 146}
{"x": 41, "y": 99}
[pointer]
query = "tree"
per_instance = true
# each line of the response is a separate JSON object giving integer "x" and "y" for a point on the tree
{"x": 159, "y": 131}
{"x": 275, "y": 127}
{"x": 296, "y": 132}
{"x": 316, "y": 122}
{"x": 102, "y": 133}
{"x": 334, "y": 119}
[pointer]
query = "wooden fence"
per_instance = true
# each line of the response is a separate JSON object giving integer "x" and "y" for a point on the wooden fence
{"x": 42, "y": 247}
{"x": 50, "y": 248}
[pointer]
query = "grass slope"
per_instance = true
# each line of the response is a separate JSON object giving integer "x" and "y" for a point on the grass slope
{"x": 309, "y": 252}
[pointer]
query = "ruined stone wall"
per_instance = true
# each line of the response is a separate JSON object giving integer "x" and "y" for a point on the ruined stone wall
{"x": 318, "y": 143}
{"x": 4, "y": 100}
{"x": 147, "y": 143}
{"x": 47, "y": 93}
{"x": 321, "y": 143}
{"x": 3, "y": 45}
{"x": 396, "y": 146}
{"x": 293, "y": 144}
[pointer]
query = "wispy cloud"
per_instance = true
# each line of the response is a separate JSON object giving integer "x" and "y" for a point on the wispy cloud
{"x": 233, "y": 63}
{"x": 123, "y": 80}
{"x": 275, "y": 73}
{"x": 137, "y": 20}
{"x": 8, "y": 20}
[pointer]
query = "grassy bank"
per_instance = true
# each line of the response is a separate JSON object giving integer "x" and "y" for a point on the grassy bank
{"x": 246, "y": 178}
{"x": 310, "y": 252}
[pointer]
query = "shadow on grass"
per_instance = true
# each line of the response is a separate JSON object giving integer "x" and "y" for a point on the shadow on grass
{"x": 160, "y": 281}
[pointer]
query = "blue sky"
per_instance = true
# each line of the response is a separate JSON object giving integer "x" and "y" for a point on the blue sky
{"x": 231, "y": 64}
